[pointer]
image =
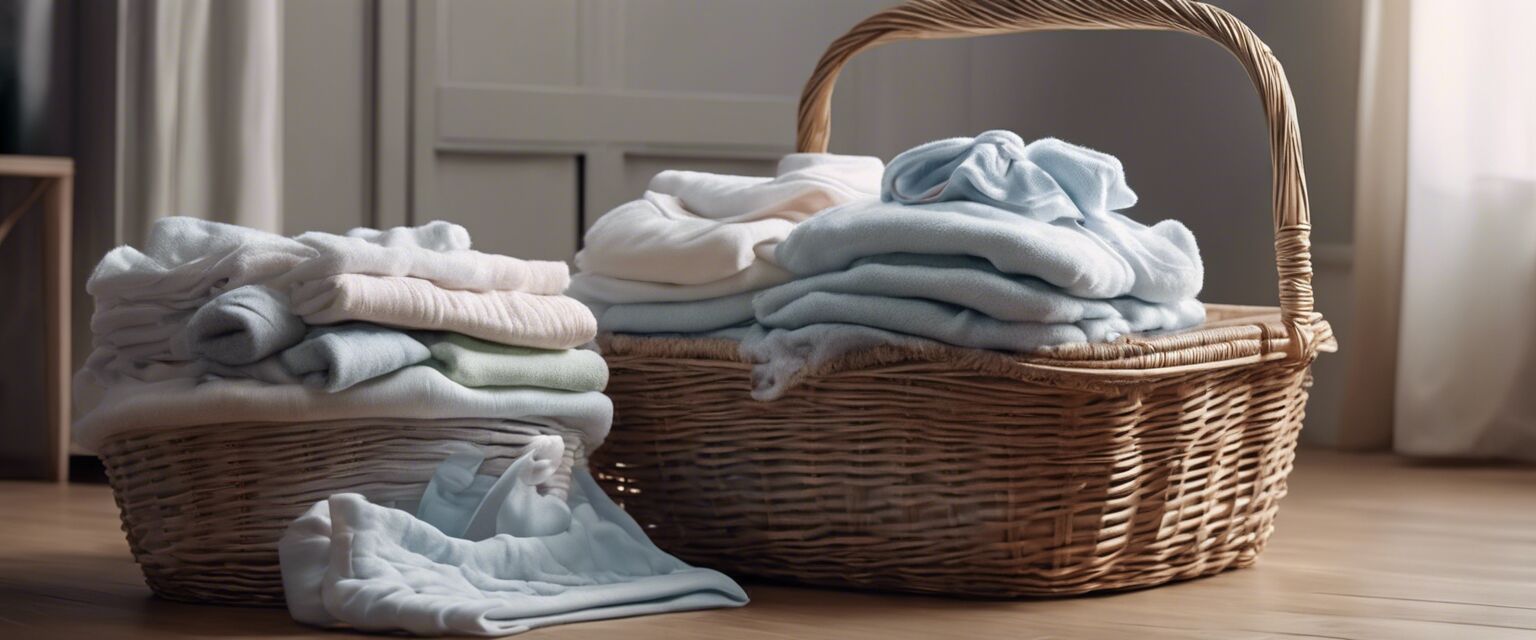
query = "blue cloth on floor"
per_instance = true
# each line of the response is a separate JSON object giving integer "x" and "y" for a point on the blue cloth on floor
{"x": 349, "y": 563}
{"x": 1043, "y": 210}
{"x": 337, "y": 357}
{"x": 242, "y": 326}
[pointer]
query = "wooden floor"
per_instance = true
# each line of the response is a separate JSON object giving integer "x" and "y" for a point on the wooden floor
{"x": 1367, "y": 547}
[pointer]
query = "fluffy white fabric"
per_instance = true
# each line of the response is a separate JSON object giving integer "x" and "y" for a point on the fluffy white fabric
{"x": 506, "y": 317}
{"x": 686, "y": 257}
{"x": 417, "y": 392}
{"x": 696, "y": 228}
{"x": 349, "y": 563}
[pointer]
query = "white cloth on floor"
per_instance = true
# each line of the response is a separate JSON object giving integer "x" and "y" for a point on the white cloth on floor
{"x": 507, "y": 317}
{"x": 416, "y": 392}
{"x": 349, "y": 563}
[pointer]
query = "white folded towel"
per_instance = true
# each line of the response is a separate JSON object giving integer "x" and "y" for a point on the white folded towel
{"x": 507, "y": 317}
{"x": 696, "y": 228}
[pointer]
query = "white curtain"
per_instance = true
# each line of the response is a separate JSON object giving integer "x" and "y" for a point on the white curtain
{"x": 202, "y": 108}
{"x": 1466, "y": 369}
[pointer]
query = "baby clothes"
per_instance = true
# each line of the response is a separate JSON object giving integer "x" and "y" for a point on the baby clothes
{"x": 474, "y": 363}
{"x": 507, "y": 317}
{"x": 703, "y": 238}
{"x": 1057, "y": 224}
{"x": 982, "y": 242}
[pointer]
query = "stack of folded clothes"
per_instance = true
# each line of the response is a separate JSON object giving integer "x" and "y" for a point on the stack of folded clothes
{"x": 982, "y": 242}
{"x": 689, "y": 255}
{"x": 266, "y": 315}
{"x": 223, "y": 326}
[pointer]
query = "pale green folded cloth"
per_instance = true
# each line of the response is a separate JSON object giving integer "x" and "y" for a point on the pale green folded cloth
{"x": 476, "y": 363}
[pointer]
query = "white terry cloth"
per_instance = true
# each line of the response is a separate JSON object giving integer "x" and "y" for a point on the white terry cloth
{"x": 416, "y": 392}
{"x": 1046, "y": 209}
{"x": 349, "y": 563}
{"x": 459, "y": 269}
{"x": 699, "y": 316}
{"x": 695, "y": 228}
{"x": 508, "y": 317}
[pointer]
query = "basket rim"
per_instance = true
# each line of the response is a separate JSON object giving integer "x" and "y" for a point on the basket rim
{"x": 1232, "y": 336}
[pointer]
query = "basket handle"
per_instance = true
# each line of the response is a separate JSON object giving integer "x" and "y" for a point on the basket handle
{"x": 938, "y": 19}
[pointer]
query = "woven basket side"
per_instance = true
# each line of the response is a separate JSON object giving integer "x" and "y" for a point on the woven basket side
{"x": 923, "y": 478}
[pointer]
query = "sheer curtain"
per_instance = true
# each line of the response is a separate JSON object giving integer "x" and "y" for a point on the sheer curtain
{"x": 1466, "y": 356}
{"x": 201, "y": 112}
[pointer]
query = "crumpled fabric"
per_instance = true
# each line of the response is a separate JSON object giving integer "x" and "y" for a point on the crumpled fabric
{"x": 534, "y": 560}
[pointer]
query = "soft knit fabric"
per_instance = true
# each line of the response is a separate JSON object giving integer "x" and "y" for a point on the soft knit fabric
{"x": 455, "y": 490}
{"x": 145, "y": 298}
{"x": 349, "y": 563}
{"x": 417, "y": 392}
{"x": 474, "y": 363}
{"x": 962, "y": 281}
{"x": 695, "y": 228}
{"x": 780, "y": 357}
{"x": 507, "y": 317}
{"x": 337, "y": 357}
{"x": 1056, "y": 222}
{"x": 698, "y": 316}
{"x": 967, "y": 328}
{"x": 242, "y": 326}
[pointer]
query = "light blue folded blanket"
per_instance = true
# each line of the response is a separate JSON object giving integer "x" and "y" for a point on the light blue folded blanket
{"x": 348, "y": 562}
{"x": 962, "y": 281}
{"x": 1045, "y": 209}
{"x": 699, "y": 316}
{"x": 968, "y": 328}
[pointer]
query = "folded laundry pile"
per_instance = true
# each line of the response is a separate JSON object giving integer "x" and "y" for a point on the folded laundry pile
{"x": 688, "y": 256}
{"x": 221, "y": 326}
{"x": 209, "y": 301}
{"x": 982, "y": 242}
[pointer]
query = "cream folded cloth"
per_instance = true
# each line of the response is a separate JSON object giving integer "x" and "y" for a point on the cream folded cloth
{"x": 417, "y": 392}
{"x": 508, "y": 317}
{"x": 349, "y": 563}
{"x": 474, "y": 363}
{"x": 685, "y": 257}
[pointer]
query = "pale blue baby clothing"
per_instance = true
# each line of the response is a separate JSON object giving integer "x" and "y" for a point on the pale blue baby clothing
{"x": 1051, "y": 223}
{"x": 349, "y": 563}
{"x": 242, "y": 326}
{"x": 336, "y": 357}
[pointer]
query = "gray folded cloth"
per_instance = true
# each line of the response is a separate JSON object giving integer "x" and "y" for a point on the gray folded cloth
{"x": 336, "y": 357}
{"x": 242, "y": 326}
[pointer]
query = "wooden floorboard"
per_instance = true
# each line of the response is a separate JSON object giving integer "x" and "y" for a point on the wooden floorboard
{"x": 1366, "y": 547}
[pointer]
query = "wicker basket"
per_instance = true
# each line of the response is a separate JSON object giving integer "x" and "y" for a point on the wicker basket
{"x": 204, "y": 506}
{"x": 960, "y": 471}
